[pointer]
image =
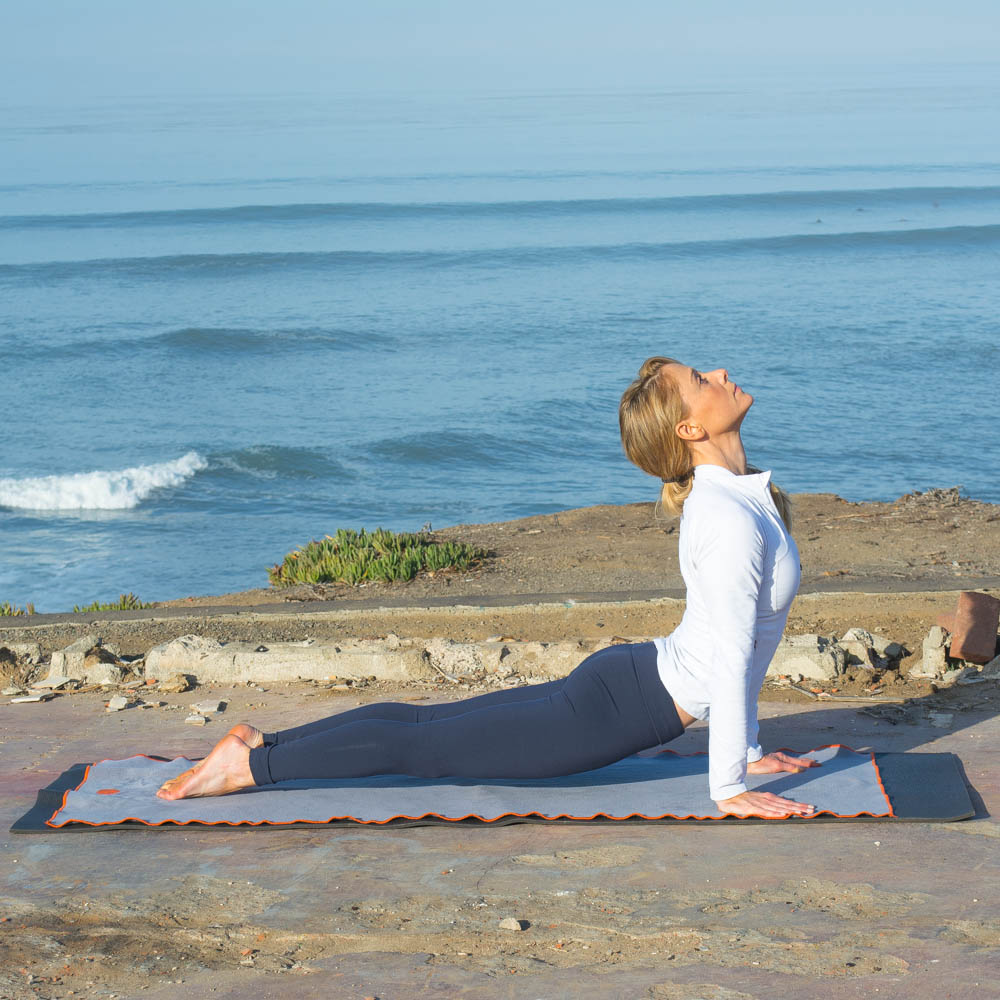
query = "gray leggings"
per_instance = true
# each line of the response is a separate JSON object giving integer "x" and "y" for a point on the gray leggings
{"x": 611, "y": 706}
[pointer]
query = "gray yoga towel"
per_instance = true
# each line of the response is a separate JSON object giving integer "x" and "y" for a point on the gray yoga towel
{"x": 656, "y": 786}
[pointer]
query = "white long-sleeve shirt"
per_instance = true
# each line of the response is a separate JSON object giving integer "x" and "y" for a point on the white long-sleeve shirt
{"x": 741, "y": 568}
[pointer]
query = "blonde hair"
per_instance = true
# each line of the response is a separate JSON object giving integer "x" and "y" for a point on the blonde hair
{"x": 650, "y": 410}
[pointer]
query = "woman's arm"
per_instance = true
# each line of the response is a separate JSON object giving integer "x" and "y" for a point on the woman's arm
{"x": 728, "y": 560}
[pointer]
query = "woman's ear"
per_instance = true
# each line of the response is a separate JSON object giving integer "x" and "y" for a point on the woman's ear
{"x": 688, "y": 431}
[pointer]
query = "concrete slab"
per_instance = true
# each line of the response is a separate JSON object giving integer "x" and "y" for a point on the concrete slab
{"x": 681, "y": 912}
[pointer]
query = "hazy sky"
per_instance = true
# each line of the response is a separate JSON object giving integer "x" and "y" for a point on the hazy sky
{"x": 67, "y": 49}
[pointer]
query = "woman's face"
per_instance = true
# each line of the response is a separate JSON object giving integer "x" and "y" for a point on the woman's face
{"x": 711, "y": 400}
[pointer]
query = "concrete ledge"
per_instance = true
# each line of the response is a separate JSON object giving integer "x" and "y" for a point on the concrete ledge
{"x": 392, "y": 658}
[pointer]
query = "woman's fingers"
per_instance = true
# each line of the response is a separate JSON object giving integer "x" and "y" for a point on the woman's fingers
{"x": 764, "y": 804}
{"x": 797, "y": 761}
{"x": 775, "y": 762}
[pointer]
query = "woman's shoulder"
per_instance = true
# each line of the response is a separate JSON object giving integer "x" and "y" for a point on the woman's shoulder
{"x": 711, "y": 499}
{"x": 713, "y": 510}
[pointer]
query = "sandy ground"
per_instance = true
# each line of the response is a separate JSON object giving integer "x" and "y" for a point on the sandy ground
{"x": 667, "y": 912}
{"x": 683, "y": 911}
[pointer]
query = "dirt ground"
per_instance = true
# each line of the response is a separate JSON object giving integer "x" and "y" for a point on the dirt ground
{"x": 684, "y": 912}
{"x": 935, "y": 540}
{"x": 680, "y": 912}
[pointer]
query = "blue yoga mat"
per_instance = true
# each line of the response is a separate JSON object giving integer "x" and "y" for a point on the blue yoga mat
{"x": 663, "y": 785}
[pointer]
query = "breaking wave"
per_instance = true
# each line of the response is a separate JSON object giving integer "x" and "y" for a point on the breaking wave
{"x": 119, "y": 489}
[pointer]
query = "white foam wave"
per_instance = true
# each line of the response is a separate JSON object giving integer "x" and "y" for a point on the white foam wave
{"x": 119, "y": 489}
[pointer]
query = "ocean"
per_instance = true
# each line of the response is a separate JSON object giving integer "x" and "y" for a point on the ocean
{"x": 230, "y": 325}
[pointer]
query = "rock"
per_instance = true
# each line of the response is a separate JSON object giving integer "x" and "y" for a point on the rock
{"x": 920, "y": 672}
{"x": 26, "y": 652}
{"x": 857, "y": 640}
{"x": 196, "y": 720}
{"x": 457, "y": 659}
{"x": 974, "y": 636}
{"x": 935, "y": 659}
{"x": 24, "y": 698}
{"x": 859, "y": 646}
{"x": 208, "y": 707}
{"x": 240, "y": 662}
{"x": 12, "y": 691}
{"x": 177, "y": 655}
{"x": 177, "y": 684}
{"x": 118, "y": 703}
{"x": 69, "y": 662}
{"x": 888, "y": 648}
{"x": 942, "y": 720}
{"x": 512, "y": 924}
{"x": 104, "y": 673}
{"x": 971, "y": 675}
{"x": 858, "y": 635}
{"x": 814, "y": 657}
{"x": 992, "y": 669}
{"x": 947, "y": 678}
{"x": 87, "y": 660}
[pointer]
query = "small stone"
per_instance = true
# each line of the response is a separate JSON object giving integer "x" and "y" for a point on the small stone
{"x": 118, "y": 703}
{"x": 991, "y": 671}
{"x": 177, "y": 684}
{"x": 196, "y": 720}
{"x": 40, "y": 696}
{"x": 208, "y": 707}
{"x": 13, "y": 691}
{"x": 942, "y": 720}
{"x": 512, "y": 924}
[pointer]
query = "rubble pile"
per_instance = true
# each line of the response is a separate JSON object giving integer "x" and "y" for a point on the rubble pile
{"x": 858, "y": 663}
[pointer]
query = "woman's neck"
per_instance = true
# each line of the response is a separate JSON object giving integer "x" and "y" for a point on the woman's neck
{"x": 726, "y": 451}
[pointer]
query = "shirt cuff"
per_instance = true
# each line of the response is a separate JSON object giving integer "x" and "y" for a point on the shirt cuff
{"x": 754, "y": 754}
{"x": 727, "y": 791}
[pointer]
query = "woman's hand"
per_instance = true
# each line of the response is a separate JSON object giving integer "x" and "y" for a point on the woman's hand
{"x": 764, "y": 804}
{"x": 772, "y": 763}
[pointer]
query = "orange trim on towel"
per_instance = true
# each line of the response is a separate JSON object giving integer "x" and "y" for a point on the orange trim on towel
{"x": 484, "y": 819}
{"x": 878, "y": 777}
{"x": 62, "y": 805}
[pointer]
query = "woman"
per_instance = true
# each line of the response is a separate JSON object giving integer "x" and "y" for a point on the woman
{"x": 741, "y": 568}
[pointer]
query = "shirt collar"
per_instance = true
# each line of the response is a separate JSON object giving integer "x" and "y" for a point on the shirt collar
{"x": 756, "y": 482}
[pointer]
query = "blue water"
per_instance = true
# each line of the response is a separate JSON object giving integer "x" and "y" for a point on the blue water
{"x": 229, "y": 326}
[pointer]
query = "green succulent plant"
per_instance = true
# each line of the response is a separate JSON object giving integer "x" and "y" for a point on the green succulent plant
{"x": 355, "y": 557}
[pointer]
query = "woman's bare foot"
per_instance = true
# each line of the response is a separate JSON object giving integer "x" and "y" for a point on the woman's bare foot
{"x": 251, "y": 736}
{"x": 226, "y": 769}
